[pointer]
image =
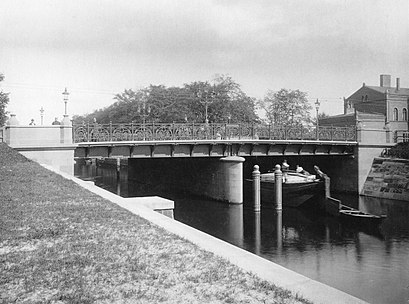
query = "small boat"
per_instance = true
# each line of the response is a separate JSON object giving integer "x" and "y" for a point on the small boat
{"x": 335, "y": 207}
{"x": 297, "y": 188}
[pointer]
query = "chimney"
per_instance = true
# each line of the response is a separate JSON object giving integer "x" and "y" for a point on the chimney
{"x": 397, "y": 84}
{"x": 385, "y": 80}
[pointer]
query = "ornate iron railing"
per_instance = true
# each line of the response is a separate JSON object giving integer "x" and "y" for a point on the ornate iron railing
{"x": 213, "y": 131}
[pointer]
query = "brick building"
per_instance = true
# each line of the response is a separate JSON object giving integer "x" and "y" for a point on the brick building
{"x": 382, "y": 108}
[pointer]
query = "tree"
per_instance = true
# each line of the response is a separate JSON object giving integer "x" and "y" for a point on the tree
{"x": 4, "y": 99}
{"x": 157, "y": 103}
{"x": 323, "y": 115}
{"x": 286, "y": 107}
{"x": 227, "y": 102}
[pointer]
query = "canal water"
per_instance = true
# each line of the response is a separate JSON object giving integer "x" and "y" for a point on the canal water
{"x": 371, "y": 263}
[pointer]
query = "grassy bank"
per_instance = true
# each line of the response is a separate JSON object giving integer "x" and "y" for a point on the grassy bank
{"x": 60, "y": 243}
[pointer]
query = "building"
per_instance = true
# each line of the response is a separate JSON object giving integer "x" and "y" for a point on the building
{"x": 382, "y": 111}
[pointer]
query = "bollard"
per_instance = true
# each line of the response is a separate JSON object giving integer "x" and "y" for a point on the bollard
{"x": 256, "y": 188}
{"x": 118, "y": 168}
{"x": 278, "y": 179}
{"x": 279, "y": 229}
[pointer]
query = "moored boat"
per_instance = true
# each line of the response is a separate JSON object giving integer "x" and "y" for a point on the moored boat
{"x": 336, "y": 208}
{"x": 297, "y": 188}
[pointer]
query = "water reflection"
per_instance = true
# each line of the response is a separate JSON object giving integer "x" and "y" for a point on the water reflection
{"x": 367, "y": 262}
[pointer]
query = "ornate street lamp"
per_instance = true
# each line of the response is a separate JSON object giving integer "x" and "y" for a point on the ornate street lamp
{"x": 42, "y": 115}
{"x": 65, "y": 97}
{"x": 144, "y": 110}
{"x": 317, "y": 107}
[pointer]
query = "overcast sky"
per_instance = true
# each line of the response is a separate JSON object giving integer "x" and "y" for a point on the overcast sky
{"x": 96, "y": 49}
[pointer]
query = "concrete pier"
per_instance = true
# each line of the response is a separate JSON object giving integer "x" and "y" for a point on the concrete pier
{"x": 232, "y": 175}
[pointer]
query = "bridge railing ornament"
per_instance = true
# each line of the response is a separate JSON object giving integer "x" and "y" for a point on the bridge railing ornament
{"x": 94, "y": 132}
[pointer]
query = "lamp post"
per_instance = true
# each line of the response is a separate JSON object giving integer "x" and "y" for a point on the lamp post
{"x": 317, "y": 107}
{"x": 205, "y": 100}
{"x": 65, "y": 97}
{"x": 42, "y": 115}
{"x": 144, "y": 110}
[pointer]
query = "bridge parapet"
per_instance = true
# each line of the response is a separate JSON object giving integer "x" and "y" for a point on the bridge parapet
{"x": 50, "y": 145}
{"x": 214, "y": 131}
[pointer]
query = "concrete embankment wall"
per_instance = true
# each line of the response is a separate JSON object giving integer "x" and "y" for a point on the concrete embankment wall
{"x": 388, "y": 178}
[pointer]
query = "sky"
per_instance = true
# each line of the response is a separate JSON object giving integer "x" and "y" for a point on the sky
{"x": 97, "y": 49}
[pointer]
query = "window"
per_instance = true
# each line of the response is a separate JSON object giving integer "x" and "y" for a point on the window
{"x": 404, "y": 114}
{"x": 366, "y": 97}
{"x": 395, "y": 114}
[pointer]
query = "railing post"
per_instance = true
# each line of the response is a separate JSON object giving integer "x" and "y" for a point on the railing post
{"x": 132, "y": 131}
{"x": 332, "y": 132}
{"x": 173, "y": 131}
{"x": 88, "y": 132}
{"x": 153, "y": 131}
{"x": 317, "y": 132}
{"x": 269, "y": 131}
{"x": 193, "y": 131}
{"x": 239, "y": 130}
{"x": 110, "y": 130}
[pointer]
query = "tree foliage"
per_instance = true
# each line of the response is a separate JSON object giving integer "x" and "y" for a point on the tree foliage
{"x": 4, "y": 99}
{"x": 224, "y": 98}
{"x": 286, "y": 107}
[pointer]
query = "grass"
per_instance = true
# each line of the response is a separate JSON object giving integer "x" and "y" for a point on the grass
{"x": 60, "y": 243}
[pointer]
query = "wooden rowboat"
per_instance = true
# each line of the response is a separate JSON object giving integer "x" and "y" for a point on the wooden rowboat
{"x": 336, "y": 208}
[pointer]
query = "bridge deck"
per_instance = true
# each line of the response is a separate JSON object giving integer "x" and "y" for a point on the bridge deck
{"x": 213, "y": 148}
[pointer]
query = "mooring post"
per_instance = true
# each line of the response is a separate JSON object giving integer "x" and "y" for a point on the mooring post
{"x": 278, "y": 179}
{"x": 279, "y": 229}
{"x": 327, "y": 183}
{"x": 118, "y": 168}
{"x": 256, "y": 188}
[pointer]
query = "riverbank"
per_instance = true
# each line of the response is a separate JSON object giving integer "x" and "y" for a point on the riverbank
{"x": 60, "y": 243}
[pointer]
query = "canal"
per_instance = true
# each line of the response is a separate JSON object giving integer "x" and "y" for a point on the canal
{"x": 371, "y": 263}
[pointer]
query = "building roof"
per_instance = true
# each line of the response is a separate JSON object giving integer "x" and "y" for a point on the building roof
{"x": 359, "y": 115}
{"x": 392, "y": 90}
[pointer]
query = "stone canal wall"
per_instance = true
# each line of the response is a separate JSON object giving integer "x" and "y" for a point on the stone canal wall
{"x": 388, "y": 178}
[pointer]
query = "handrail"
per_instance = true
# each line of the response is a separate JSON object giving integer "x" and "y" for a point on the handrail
{"x": 401, "y": 136}
{"x": 212, "y": 131}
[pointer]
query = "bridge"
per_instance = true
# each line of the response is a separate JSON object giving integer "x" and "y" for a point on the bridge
{"x": 218, "y": 155}
{"x": 209, "y": 140}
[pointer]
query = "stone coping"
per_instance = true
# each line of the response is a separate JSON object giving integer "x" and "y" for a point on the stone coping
{"x": 298, "y": 284}
{"x": 152, "y": 202}
{"x": 44, "y": 147}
